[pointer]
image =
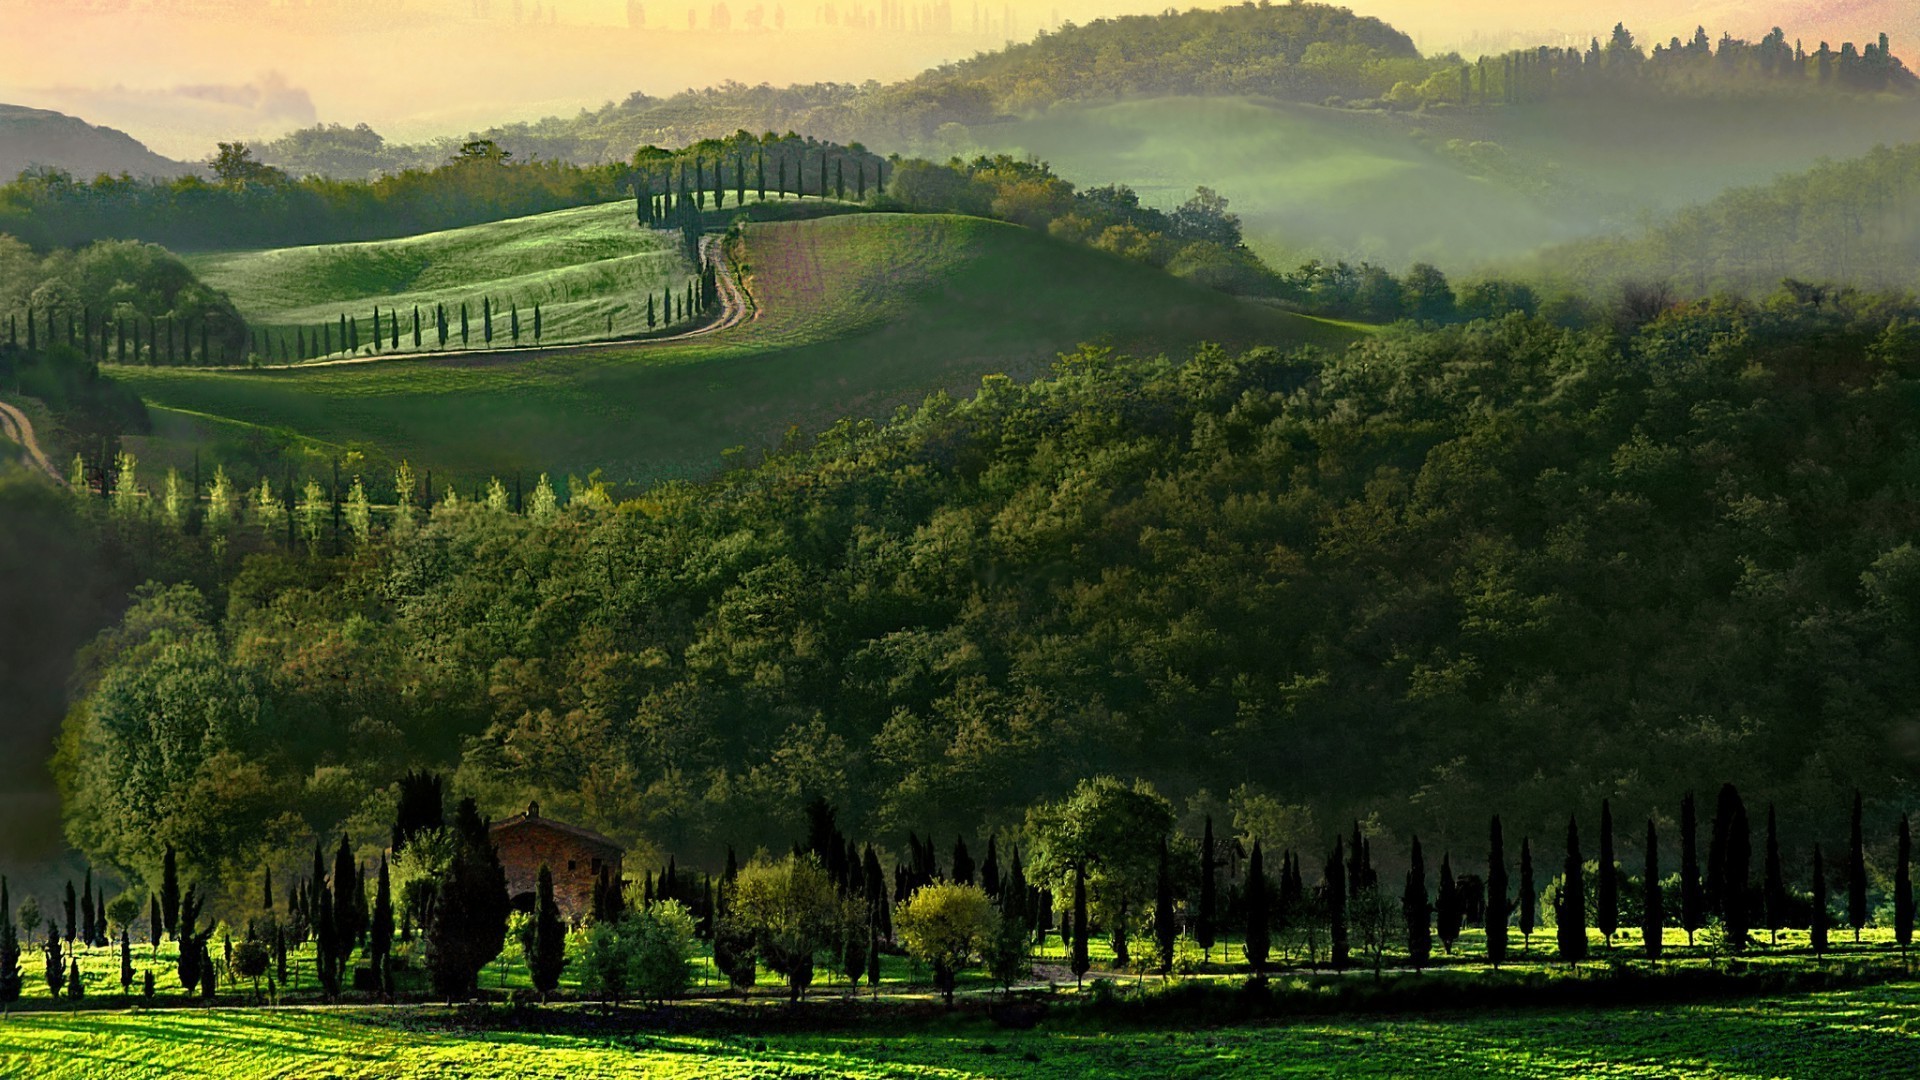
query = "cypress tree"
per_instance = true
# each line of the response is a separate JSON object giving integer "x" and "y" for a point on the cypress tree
{"x": 465, "y": 337}
{"x": 75, "y": 988}
{"x": 1016, "y": 899}
{"x": 1653, "y": 915}
{"x": 486, "y": 319}
{"x": 1856, "y": 873}
{"x": 1775, "y": 887}
{"x": 760, "y": 169}
{"x": 1337, "y": 906}
{"x": 740, "y": 179}
{"x": 1607, "y": 888}
{"x": 1203, "y": 918}
{"x": 1079, "y": 961}
{"x": 783, "y": 195}
{"x": 1821, "y": 916}
{"x": 89, "y": 933}
{"x": 962, "y": 862}
{"x": 56, "y": 967}
{"x": 536, "y": 324}
{"x": 126, "y": 962}
{"x": 266, "y": 891}
{"x": 378, "y": 337}
{"x": 839, "y": 180}
{"x": 990, "y": 870}
{"x": 1415, "y": 908}
{"x": 10, "y": 979}
{"x": 169, "y": 889}
{"x": 1692, "y": 901}
{"x": 72, "y": 913}
{"x": 1529, "y": 893}
{"x": 1449, "y": 907}
{"x": 650, "y": 313}
{"x": 416, "y": 327}
{"x": 1497, "y": 905}
{"x": 155, "y": 923}
{"x": 1259, "y": 937}
{"x": 380, "y": 928}
{"x": 1571, "y": 913}
{"x": 1903, "y": 888}
{"x": 393, "y": 329}
{"x": 1163, "y": 928}
{"x": 1723, "y": 813}
{"x": 545, "y": 944}
{"x": 823, "y": 172}
{"x": 346, "y": 915}
{"x": 1735, "y": 873}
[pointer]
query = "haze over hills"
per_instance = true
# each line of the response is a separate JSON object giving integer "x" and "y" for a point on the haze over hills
{"x": 37, "y": 137}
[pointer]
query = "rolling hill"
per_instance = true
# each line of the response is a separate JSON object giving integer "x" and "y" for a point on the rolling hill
{"x": 37, "y": 137}
{"x": 581, "y": 265}
{"x": 859, "y": 314}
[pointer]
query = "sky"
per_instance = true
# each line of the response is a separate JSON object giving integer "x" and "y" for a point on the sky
{"x": 182, "y": 74}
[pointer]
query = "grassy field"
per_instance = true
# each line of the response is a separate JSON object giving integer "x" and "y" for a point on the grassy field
{"x": 859, "y": 314}
{"x": 582, "y": 266}
{"x": 1460, "y": 189}
{"x": 1865, "y": 1033}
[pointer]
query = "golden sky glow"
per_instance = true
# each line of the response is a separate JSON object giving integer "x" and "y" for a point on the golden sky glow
{"x": 180, "y": 74}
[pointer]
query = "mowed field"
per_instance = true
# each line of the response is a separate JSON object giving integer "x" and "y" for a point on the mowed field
{"x": 1859, "y": 1034}
{"x": 588, "y": 268}
{"x": 1461, "y": 189}
{"x": 857, "y": 315}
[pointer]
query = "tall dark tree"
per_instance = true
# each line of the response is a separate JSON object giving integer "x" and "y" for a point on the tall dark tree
{"x": 1203, "y": 929}
{"x": 1856, "y": 873}
{"x": 1337, "y": 906}
{"x": 962, "y": 862}
{"x": 1607, "y": 887}
{"x": 1416, "y": 909}
{"x": 89, "y": 933}
{"x": 1079, "y": 961}
{"x": 1449, "y": 909}
{"x": 470, "y": 919}
{"x": 545, "y": 944}
{"x": 1822, "y": 917}
{"x": 1774, "y": 889}
{"x": 1903, "y": 888}
{"x": 169, "y": 888}
{"x": 421, "y": 807}
{"x": 1259, "y": 939}
{"x": 1723, "y": 815}
{"x": 1693, "y": 906}
{"x": 1653, "y": 915}
{"x": 1735, "y": 872}
{"x": 10, "y": 979}
{"x": 1164, "y": 931}
{"x": 72, "y": 911}
{"x": 380, "y": 928}
{"x": 1529, "y": 896}
{"x": 1498, "y": 906}
{"x": 126, "y": 961}
{"x": 56, "y": 967}
{"x": 1570, "y": 914}
{"x": 347, "y": 898}
{"x": 156, "y": 922}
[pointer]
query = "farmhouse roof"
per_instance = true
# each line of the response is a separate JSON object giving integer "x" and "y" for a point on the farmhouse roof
{"x": 532, "y": 818}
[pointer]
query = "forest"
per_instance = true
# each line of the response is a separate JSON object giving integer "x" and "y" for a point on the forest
{"x": 1503, "y": 560}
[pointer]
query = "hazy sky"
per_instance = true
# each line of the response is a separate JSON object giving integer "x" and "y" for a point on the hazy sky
{"x": 180, "y": 74}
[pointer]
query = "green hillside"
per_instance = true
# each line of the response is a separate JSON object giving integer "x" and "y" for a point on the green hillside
{"x": 1456, "y": 188}
{"x": 580, "y": 265}
{"x": 859, "y": 314}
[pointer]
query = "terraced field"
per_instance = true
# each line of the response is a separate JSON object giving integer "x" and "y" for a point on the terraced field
{"x": 857, "y": 315}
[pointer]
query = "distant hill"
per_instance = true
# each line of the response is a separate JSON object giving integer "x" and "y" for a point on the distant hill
{"x": 38, "y": 137}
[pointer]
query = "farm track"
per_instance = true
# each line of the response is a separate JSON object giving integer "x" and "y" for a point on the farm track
{"x": 737, "y": 307}
{"x": 15, "y": 425}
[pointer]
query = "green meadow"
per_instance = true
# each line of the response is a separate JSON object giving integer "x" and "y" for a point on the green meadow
{"x": 857, "y": 315}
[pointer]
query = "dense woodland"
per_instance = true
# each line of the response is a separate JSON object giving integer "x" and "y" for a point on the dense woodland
{"x": 1506, "y": 563}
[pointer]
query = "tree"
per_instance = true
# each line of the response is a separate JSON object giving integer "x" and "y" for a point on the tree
{"x": 1529, "y": 893}
{"x": 1203, "y": 930}
{"x": 1692, "y": 902}
{"x": 156, "y": 923}
{"x": 1902, "y": 889}
{"x": 71, "y": 910}
{"x": 945, "y": 925}
{"x": 1775, "y": 887}
{"x": 9, "y": 949}
{"x": 1165, "y": 932}
{"x": 962, "y": 862}
{"x": 234, "y": 167}
{"x": 1449, "y": 907}
{"x": 1078, "y": 960}
{"x": 251, "y": 960}
{"x": 347, "y": 901}
{"x": 75, "y": 988}
{"x": 545, "y": 943}
{"x": 1822, "y": 917}
{"x": 1856, "y": 873}
{"x": 1498, "y": 906}
{"x": 89, "y": 933}
{"x": 169, "y": 888}
{"x": 1653, "y": 916}
{"x": 1108, "y": 830}
{"x": 1259, "y": 936}
{"x": 792, "y": 910}
{"x": 1570, "y": 914}
{"x": 1736, "y": 870}
{"x": 469, "y": 923}
{"x": 126, "y": 961}
{"x": 380, "y": 928}
{"x": 1336, "y": 886}
{"x": 1416, "y": 910}
{"x": 56, "y": 968}
{"x": 1607, "y": 887}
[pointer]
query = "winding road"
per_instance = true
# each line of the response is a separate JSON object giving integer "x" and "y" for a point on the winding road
{"x": 736, "y": 307}
{"x": 15, "y": 425}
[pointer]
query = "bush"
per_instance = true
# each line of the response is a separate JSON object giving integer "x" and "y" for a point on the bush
{"x": 647, "y": 955}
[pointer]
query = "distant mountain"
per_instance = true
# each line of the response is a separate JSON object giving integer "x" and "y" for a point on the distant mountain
{"x": 37, "y": 137}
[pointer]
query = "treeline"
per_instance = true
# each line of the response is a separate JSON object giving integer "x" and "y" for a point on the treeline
{"x": 114, "y": 301}
{"x": 1505, "y": 556}
{"x": 1850, "y": 223}
{"x": 247, "y": 204}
